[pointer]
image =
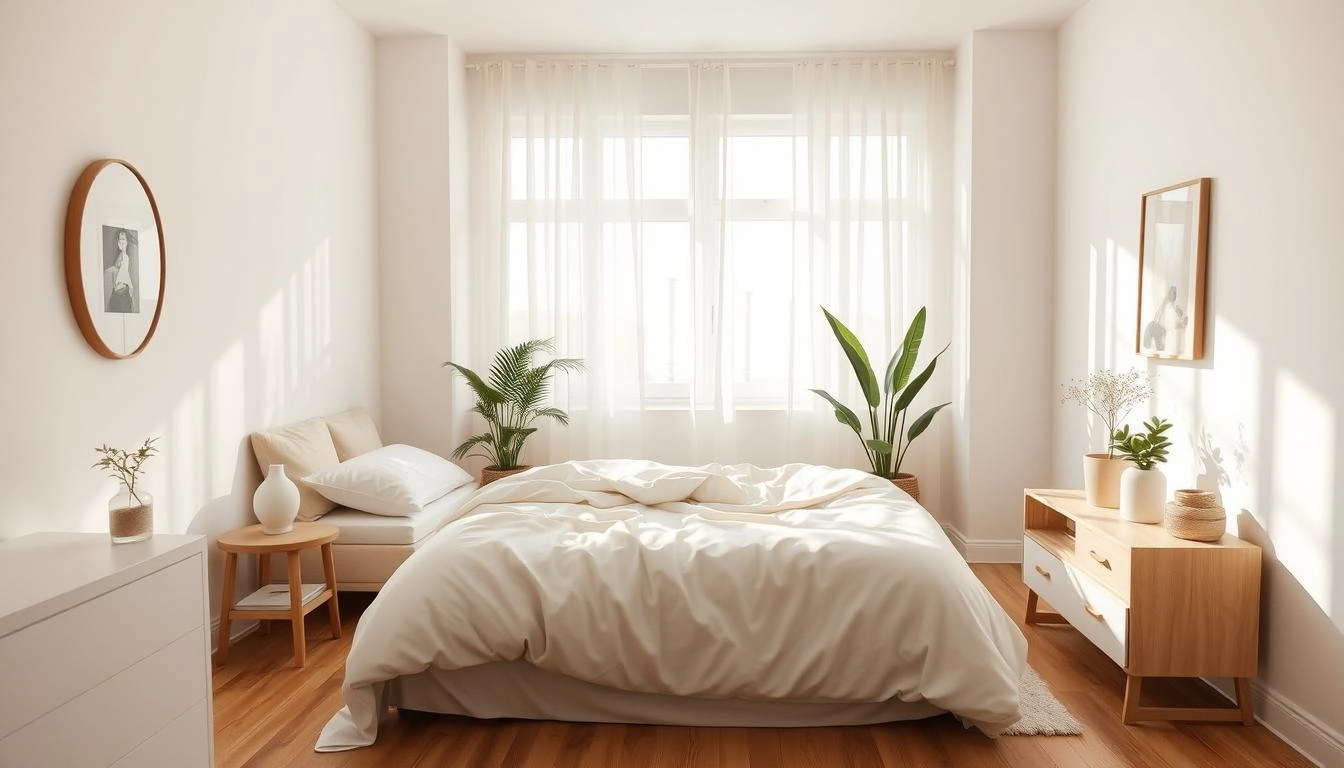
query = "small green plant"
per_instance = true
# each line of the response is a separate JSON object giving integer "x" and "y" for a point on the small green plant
{"x": 126, "y": 465}
{"x": 511, "y": 400}
{"x": 888, "y": 400}
{"x": 1145, "y": 450}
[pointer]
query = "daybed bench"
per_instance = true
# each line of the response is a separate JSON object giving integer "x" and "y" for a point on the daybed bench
{"x": 387, "y": 501}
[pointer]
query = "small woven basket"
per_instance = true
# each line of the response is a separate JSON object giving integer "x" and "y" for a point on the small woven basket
{"x": 908, "y": 483}
{"x": 490, "y": 474}
{"x": 1195, "y": 515}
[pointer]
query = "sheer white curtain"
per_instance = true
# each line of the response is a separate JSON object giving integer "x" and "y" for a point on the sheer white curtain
{"x": 679, "y": 224}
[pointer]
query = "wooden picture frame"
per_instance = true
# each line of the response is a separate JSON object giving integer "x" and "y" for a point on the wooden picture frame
{"x": 114, "y": 258}
{"x": 1173, "y": 254}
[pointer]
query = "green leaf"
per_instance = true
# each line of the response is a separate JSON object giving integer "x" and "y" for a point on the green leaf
{"x": 879, "y": 446}
{"x": 554, "y": 413}
{"x": 842, "y": 413}
{"x": 923, "y": 422}
{"x": 482, "y": 390}
{"x": 461, "y": 451}
{"x": 858, "y": 359}
{"x": 899, "y": 374}
{"x": 908, "y": 395}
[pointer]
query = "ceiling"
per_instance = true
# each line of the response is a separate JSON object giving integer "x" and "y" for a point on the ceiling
{"x": 703, "y": 26}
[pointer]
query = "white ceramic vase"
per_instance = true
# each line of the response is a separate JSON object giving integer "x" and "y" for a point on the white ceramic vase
{"x": 1143, "y": 495}
{"x": 276, "y": 502}
{"x": 1101, "y": 479}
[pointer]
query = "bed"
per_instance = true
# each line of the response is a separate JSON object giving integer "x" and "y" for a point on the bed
{"x": 630, "y": 591}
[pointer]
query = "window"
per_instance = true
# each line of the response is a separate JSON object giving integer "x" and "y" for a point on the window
{"x": 678, "y": 224}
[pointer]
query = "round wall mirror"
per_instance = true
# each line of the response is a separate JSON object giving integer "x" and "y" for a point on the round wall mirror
{"x": 114, "y": 259}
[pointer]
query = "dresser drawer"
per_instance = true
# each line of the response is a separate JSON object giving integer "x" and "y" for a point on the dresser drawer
{"x": 1099, "y": 614}
{"x": 179, "y": 744}
{"x": 113, "y": 718}
{"x": 1105, "y": 559}
{"x": 49, "y": 663}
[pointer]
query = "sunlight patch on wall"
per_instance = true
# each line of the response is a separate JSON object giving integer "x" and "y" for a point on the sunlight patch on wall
{"x": 294, "y": 336}
{"x": 227, "y": 417}
{"x": 1232, "y": 424}
{"x": 187, "y": 470}
{"x": 1303, "y": 490}
{"x": 1110, "y": 277}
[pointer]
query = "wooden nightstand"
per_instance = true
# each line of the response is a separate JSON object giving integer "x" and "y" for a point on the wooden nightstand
{"x": 1159, "y": 606}
{"x": 268, "y": 603}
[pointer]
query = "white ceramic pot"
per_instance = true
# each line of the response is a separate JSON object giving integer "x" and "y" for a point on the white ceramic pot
{"x": 1143, "y": 495}
{"x": 276, "y": 502}
{"x": 1101, "y": 479}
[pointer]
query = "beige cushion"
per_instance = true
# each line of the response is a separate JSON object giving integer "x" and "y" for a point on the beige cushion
{"x": 353, "y": 433}
{"x": 303, "y": 448}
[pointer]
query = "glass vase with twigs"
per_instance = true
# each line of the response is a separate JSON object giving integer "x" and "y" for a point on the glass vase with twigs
{"x": 130, "y": 513}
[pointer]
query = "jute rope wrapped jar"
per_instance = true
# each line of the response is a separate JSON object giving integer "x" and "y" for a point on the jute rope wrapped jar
{"x": 1195, "y": 515}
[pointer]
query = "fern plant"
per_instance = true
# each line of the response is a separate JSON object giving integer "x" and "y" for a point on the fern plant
{"x": 513, "y": 397}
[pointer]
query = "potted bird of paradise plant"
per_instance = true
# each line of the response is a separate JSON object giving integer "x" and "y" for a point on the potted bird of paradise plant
{"x": 888, "y": 400}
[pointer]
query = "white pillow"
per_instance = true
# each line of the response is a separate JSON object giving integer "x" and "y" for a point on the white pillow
{"x": 395, "y": 480}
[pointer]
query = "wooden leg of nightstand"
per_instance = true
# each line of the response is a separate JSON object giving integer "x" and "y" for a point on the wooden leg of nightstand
{"x": 333, "y": 608}
{"x": 1040, "y": 617}
{"x": 1134, "y": 712}
{"x": 1133, "y": 691}
{"x": 264, "y": 578}
{"x": 226, "y": 605}
{"x": 1244, "y": 701}
{"x": 296, "y": 608}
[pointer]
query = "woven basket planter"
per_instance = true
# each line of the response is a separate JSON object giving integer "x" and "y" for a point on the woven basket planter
{"x": 1195, "y": 515}
{"x": 490, "y": 474}
{"x": 908, "y": 483}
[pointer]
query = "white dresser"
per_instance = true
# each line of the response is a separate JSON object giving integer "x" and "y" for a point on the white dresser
{"x": 104, "y": 652}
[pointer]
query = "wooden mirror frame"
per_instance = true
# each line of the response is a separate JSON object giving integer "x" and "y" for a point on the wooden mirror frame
{"x": 74, "y": 262}
{"x": 1187, "y": 308}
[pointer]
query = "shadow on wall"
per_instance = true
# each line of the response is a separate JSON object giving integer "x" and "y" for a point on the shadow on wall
{"x": 219, "y": 515}
{"x": 277, "y": 369}
{"x": 1266, "y": 435}
{"x": 1314, "y": 635}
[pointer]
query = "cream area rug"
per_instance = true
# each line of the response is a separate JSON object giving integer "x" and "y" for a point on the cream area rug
{"x": 1042, "y": 713}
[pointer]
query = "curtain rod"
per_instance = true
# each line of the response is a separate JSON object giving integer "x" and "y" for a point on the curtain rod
{"x": 732, "y": 60}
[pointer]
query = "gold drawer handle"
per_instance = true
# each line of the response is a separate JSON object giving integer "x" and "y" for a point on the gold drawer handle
{"x": 1093, "y": 612}
{"x": 1042, "y": 571}
{"x": 1105, "y": 563}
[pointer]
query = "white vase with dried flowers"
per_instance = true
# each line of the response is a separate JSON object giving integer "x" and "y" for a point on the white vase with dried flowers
{"x": 1111, "y": 396}
{"x": 130, "y": 513}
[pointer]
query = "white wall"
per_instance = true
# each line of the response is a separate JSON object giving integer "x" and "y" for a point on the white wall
{"x": 1155, "y": 92}
{"x": 1004, "y": 201}
{"x": 422, "y": 200}
{"x": 252, "y": 122}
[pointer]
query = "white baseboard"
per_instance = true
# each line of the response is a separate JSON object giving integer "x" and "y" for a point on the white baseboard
{"x": 237, "y": 630}
{"x": 1317, "y": 741}
{"x": 984, "y": 550}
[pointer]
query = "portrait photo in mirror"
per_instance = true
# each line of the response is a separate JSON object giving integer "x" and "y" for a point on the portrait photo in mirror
{"x": 121, "y": 270}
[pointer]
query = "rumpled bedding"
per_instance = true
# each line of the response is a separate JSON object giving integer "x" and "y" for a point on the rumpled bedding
{"x": 796, "y": 582}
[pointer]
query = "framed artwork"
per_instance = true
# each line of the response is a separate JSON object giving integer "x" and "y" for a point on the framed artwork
{"x": 114, "y": 259}
{"x": 1173, "y": 250}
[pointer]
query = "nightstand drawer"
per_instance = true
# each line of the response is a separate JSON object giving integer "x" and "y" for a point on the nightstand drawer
{"x": 1105, "y": 559}
{"x": 1100, "y": 615}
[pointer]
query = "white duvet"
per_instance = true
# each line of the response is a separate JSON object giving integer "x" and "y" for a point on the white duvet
{"x": 797, "y": 582}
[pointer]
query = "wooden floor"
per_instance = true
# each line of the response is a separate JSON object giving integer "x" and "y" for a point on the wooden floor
{"x": 269, "y": 714}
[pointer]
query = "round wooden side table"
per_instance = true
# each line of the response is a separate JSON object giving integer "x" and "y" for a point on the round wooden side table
{"x": 272, "y": 602}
